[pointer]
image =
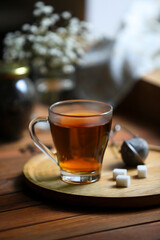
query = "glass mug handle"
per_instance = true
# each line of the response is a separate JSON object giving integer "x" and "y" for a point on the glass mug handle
{"x": 36, "y": 140}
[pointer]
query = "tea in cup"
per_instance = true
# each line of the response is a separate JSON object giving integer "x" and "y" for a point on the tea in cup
{"x": 80, "y": 131}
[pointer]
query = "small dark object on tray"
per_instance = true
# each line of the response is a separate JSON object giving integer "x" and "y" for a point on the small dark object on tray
{"x": 134, "y": 151}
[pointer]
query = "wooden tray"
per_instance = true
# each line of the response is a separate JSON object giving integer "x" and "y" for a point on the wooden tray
{"x": 42, "y": 175}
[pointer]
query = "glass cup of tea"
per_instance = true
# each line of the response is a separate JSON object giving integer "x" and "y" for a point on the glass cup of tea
{"x": 80, "y": 130}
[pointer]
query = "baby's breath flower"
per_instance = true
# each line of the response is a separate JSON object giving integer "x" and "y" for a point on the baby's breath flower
{"x": 37, "y": 12}
{"x": 33, "y": 29}
{"x": 42, "y": 30}
{"x": 55, "y": 38}
{"x": 48, "y": 10}
{"x": 39, "y": 4}
{"x": 31, "y": 37}
{"x": 73, "y": 30}
{"x": 65, "y": 60}
{"x": 66, "y": 15}
{"x": 61, "y": 30}
{"x": 46, "y": 22}
{"x": 20, "y": 40}
{"x": 46, "y": 45}
{"x": 54, "y": 18}
{"x": 39, "y": 39}
{"x": 74, "y": 21}
{"x": 71, "y": 55}
{"x": 40, "y": 49}
{"x": 9, "y": 35}
{"x": 55, "y": 52}
{"x": 69, "y": 43}
{"x": 68, "y": 69}
{"x": 26, "y": 27}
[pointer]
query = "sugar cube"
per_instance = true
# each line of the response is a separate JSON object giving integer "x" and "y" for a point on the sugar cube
{"x": 123, "y": 181}
{"x": 119, "y": 171}
{"x": 142, "y": 171}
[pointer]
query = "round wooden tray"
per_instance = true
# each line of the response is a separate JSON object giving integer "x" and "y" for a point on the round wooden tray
{"x": 43, "y": 176}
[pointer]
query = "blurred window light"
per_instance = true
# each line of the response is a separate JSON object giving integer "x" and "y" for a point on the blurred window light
{"x": 106, "y": 15}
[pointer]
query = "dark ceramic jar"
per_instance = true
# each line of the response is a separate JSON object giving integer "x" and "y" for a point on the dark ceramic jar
{"x": 16, "y": 100}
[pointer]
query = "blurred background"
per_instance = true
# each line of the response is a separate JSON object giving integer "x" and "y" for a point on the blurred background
{"x": 120, "y": 65}
{"x": 105, "y": 15}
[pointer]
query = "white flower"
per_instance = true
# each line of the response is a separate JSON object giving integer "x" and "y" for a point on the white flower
{"x": 69, "y": 43}
{"x": 42, "y": 30}
{"x": 40, "y": 49}
{"x": 55, "y": 52}
{"x": 26, "y": 27}
{"x": 74, "y": 21}
{"x": 65, "y": 60}
{"x": 68, "y": 69}
{"x": 45, "y": 43}
{"x": 37, "y": 12}
{"x": 54, "y": 18}
{"x": 9, "y": 35}
{"x": 39, "y": 4}
{"x": 54, "y": 38}
{"x": 71, "y": 55}
{"x": 48, "y": 10}
{"x": 73, "y": 30}
{"x": 61, "y": 30}
{"x": 20, "y": 41}
{"x": 33, "y": 29}
{"x": 46, "y": 22}
{"x": 39, "y": 39}
{"x": 31, "y": 38}
{"x": 66, "y": 15}
{"x": 8, "y": 40}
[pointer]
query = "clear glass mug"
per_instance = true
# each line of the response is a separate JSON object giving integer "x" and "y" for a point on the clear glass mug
{"x": 80, "y": 131}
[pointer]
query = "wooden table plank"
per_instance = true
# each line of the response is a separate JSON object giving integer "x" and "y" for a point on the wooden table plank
{"x": 11, "y": 185}
{"x": 16, "y": 201}
{"x": 148, "y": 231}
{"x": 32, "y": 215}
{"x": 12, "y": 167}
{"x": 80, "y": 225}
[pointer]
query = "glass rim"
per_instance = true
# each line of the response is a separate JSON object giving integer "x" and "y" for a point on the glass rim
{"x": 80, "y": 101}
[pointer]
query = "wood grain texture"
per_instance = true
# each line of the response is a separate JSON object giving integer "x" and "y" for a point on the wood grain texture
{"x": 15, "y": 201}
{"x": 81, "y": 225}
{"x": 40, "y": 171}
{"x": 11, "y": 185}
{"x": 32, "y": 215}
{"x": 146, "y": 231}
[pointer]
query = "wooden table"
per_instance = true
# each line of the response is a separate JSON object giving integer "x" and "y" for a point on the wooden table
{"x": 26, "y": 215}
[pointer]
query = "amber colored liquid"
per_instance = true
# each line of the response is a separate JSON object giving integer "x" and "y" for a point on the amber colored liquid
{"x": 80, "y": 143}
